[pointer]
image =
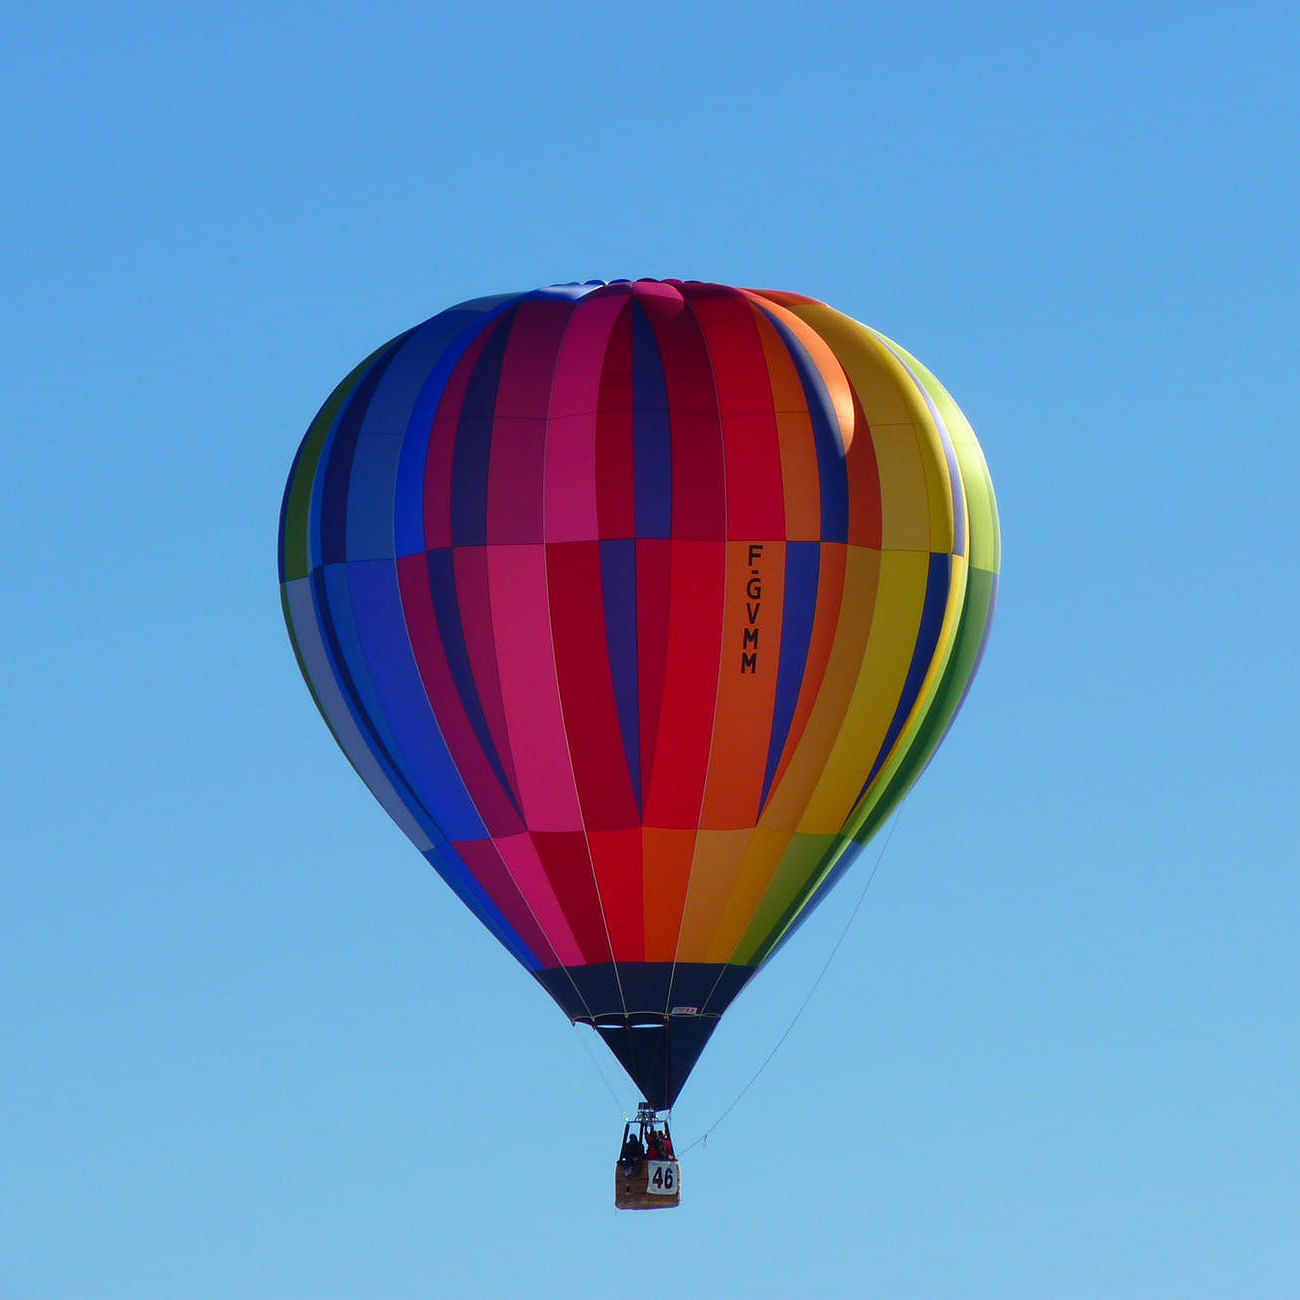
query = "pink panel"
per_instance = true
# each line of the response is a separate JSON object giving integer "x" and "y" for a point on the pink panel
{"x": 530, "y": 694}
{"x": 520, "y": 856}
{"x": 571, "y": 438}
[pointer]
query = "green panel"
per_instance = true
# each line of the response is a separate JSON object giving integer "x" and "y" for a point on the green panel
{"x": 801, "y": 862}
{"x": 981, "y": 504}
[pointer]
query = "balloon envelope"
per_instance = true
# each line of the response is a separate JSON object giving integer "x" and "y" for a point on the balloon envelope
{"x": 639, "y": 606}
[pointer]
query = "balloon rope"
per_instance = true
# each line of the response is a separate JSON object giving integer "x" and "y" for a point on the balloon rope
{"x": 704, "y": 1137}
{"x": 609, "y": 1087}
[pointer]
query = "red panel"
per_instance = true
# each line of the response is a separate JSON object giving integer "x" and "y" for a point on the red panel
{"x": 615, "y": 499}
{"x": 699, "y": 504}
{"x": 604, "y": 784}
{"x": 675, "y": 785}
{"x": 754, "y": 496}
{"x": 864, "y": 483}
{"x": 567, "y": 864}
{"x": 491, "y": 801}
{"x": 616, "y": 856}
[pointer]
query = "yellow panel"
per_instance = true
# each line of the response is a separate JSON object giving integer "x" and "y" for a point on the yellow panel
{"x": 915, "y": 486}
{"x": 981, "y": 505}
{"x": 789, "y": 798}
{"x": 897, "y": 618}
{"x": 925, "y": 697}
{"x": 719, "y": 856}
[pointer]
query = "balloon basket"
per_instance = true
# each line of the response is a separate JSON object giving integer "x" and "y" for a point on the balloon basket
{"x": 647, "y": 1175}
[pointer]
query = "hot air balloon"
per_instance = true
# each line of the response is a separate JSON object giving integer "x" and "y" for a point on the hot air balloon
{"x": 639, "y": 606}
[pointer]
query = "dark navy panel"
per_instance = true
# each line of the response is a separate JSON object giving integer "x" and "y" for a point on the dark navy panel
{"x": 618, "y": 585}
{"x": 657, "y": 1049}
{"x": 802, "y": 572}
{"x": 651, "y": 432}
{"x": 937, "y": 583}
{"x": 446, "y": 607}
{"x": 659, "y": 1058}
{"x": 470, "y": 460}
{"x": 645, "y": 990}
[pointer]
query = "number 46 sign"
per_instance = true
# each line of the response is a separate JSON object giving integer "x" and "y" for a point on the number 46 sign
{"x": 663, "y": 1177}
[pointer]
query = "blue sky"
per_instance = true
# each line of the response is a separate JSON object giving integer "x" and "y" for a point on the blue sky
{"x": 253, "y": 1047}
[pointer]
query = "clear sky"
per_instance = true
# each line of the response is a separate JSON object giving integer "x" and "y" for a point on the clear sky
{"x": 252, "y": 1047}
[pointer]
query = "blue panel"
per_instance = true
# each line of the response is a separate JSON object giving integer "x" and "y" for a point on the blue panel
{"x": 334, "y": 619}
{"x": 618, "y": 584}
{"x": 346, "y": 648}
{"x": 372, "y": 485}
{"x": 651, "y": 433}
{"x": 802, "y": 569}
{"x": 452, "y": 332}
{"x": 469, "y": 471}
{"x": 327, "y": 689}
{"x": 442, "y": 586}
{"x": 336, "y": 466}
{"x": 416, "y": 742}
{"x": 831, "y": 473}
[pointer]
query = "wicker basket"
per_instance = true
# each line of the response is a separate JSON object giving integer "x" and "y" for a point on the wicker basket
{"x": 648, "y": 1185}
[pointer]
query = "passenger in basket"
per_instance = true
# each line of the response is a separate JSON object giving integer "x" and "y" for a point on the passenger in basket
{"x": 632, "y": 1152}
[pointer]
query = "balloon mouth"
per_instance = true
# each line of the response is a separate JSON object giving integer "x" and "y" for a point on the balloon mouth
{"x": 644, "y": 1019}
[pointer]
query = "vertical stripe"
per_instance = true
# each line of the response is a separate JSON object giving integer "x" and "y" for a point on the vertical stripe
{"x": 451, "y": 644}
{"x": 927, "y": 637}
{"x": 614, "y": 454}
{"x": 619, "y": 606}
{"x": 516, "y": 470}
{"x": 652, "y": 445}
{"x": 524, "y": 666}
{"x": 519, "y": 853}
{"x": 575, "y": 430}
{"x": 472, "y": 455}
{"x": 746, "y": 683}
{"x": 802, "y": 565}
{"x": 441, "y": 451}
{"x": 675, "y": 784}
{"x": 591, "y": 720}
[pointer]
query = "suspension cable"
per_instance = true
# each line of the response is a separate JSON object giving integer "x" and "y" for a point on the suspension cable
{"x": 704, "y": 1137}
